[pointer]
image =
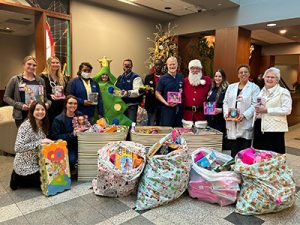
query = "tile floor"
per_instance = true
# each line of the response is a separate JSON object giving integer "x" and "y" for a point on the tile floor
{"x": 81, "y": 206}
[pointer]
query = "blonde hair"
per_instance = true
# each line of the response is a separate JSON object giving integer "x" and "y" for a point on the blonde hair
{"x": 59, "y": 75}
{"x": 29, "y": 57}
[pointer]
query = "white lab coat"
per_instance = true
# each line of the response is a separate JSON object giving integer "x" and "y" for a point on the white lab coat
{"x": 246, "y": 104}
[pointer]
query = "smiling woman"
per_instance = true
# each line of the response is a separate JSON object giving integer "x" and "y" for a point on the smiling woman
{"x": 30, "y": 135}
{"x": 62, "y": 128}
{"x": 273, "y": 106}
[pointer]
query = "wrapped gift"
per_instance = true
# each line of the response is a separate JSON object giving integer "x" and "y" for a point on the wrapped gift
{"x": 268, "y": 184}
{"x": 54, "y": 168}
{"x": 114, "y": 177}
{"x": 165, "y": 177}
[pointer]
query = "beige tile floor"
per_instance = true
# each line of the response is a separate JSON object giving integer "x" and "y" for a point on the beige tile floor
{"x": 81, "y": 206}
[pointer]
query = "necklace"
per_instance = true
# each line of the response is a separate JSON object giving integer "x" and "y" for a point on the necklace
{"x": 52, "y": 83}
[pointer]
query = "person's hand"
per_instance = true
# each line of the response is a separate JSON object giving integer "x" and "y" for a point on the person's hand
{"x": 53, "y": 97}
{"x": 87, "y": 103}
{"x": 25, "y": 107}
{"x": 218, "y": 111}
{"x": 263, "y": 109}
{"x": 171, "y": 104}
{"x": 47, "y": 105}
{"x": 124, "y": 93}
{"x": 46, "y": 141}
{"x": 226, "y": 116}
{"x": 241, "y": 117}
{"x": 75, "y": 131}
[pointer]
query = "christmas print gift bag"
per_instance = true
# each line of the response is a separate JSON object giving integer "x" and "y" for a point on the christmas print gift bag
{"x": 118, "y": 174}
{"x": 268, "y": 186}
{"x": 54, "y": 168}
{"x": 165, "y": 178}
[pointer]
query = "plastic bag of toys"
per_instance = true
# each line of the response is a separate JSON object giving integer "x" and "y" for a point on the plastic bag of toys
{"x": 166, "y": 174}
{"x": 211, "y": 179}
{"x": 119, "y": 166}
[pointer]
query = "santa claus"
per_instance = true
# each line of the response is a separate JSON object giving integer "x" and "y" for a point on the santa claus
{"x": 195, "y": 90}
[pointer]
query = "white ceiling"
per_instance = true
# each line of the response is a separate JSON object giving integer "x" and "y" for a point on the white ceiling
{"x": 185, "y": 7}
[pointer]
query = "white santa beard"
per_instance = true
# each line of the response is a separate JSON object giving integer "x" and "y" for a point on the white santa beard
{"x": 194, "y": 79}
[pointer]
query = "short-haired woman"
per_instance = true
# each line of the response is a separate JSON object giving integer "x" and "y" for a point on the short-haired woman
{"x": 273, "y": 106}
{"x": 241, "y": 95}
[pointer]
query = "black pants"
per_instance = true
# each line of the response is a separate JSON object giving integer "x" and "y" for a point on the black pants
{"x": 238, "y": 145}
{"x": 32, "y": 180}
{"x": 271, "y": 141}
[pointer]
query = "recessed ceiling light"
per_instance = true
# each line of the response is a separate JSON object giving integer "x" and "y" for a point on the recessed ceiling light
{"x": 219, "y": 4}
{"x": 271, "y": 25}
{"x": 168, "y": 8}
{"x": 295, "y": 36}
{"x": 282, "y": 31}
{"x": 7, "y": 28}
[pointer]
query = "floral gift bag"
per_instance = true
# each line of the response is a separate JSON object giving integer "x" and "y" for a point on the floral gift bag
{"x": 120, "y": 164}
{"x": 268, "y": 184}
{"x": 165, "y": 177}
{"x": 54, "y": 168}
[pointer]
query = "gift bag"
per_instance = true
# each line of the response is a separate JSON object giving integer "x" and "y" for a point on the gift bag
{"x": 54, "y": 168}
{"x": 165, "y": 177}
{"x": 210, "y": 186}
{"x": 268, "y": 185}
{"x": 121, "y": 178}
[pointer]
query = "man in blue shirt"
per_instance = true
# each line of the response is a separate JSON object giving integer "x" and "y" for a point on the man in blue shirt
{"x": 171, "y": 113}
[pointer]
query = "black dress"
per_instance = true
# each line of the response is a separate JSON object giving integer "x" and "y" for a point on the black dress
{"x": 217, "y": 121}
{"x": 57, "y": 105}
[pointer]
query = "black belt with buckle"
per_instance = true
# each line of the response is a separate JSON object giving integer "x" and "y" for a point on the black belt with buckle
{"x": 193, "y": 108}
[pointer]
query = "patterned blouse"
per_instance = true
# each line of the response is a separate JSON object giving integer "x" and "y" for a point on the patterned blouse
{"x": 26, "y": 159}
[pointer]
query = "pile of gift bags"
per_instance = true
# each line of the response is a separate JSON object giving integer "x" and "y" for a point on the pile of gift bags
{"x": 211, "y": 179}
{"x": 119, "y": 166}
{"x": 268, "y": 184}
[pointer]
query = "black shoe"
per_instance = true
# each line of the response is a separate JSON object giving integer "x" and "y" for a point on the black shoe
{"x": 13, "y": 183}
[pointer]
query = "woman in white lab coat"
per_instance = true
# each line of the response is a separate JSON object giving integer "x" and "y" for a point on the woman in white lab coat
{"x": 243, "y": 96}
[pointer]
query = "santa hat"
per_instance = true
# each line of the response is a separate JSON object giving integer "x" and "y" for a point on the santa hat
{"x": 195, "y": 63}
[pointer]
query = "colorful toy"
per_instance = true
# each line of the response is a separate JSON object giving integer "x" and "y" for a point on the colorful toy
{"x": 54, "y": 168}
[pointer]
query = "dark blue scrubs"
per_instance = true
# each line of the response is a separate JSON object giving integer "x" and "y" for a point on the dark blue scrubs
{"x": 170, "y": 116}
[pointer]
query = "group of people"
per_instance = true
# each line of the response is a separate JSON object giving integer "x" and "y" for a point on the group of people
{"x": 261, "y": 118}
{"x": 262, "y": 113}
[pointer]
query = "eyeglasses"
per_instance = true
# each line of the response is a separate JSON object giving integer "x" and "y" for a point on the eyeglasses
{"x": 271, "y": 78}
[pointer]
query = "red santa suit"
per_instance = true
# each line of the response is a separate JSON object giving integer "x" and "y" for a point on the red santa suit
{"x": 193, "y": 99}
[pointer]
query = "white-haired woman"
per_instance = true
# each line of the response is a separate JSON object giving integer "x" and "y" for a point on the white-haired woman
{"x": 274, "y": 104}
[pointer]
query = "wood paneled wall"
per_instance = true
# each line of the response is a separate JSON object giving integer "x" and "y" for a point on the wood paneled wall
{"x": 232, "y": 47}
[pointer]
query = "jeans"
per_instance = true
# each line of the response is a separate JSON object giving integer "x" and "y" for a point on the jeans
{"x": 131, "y": 112}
